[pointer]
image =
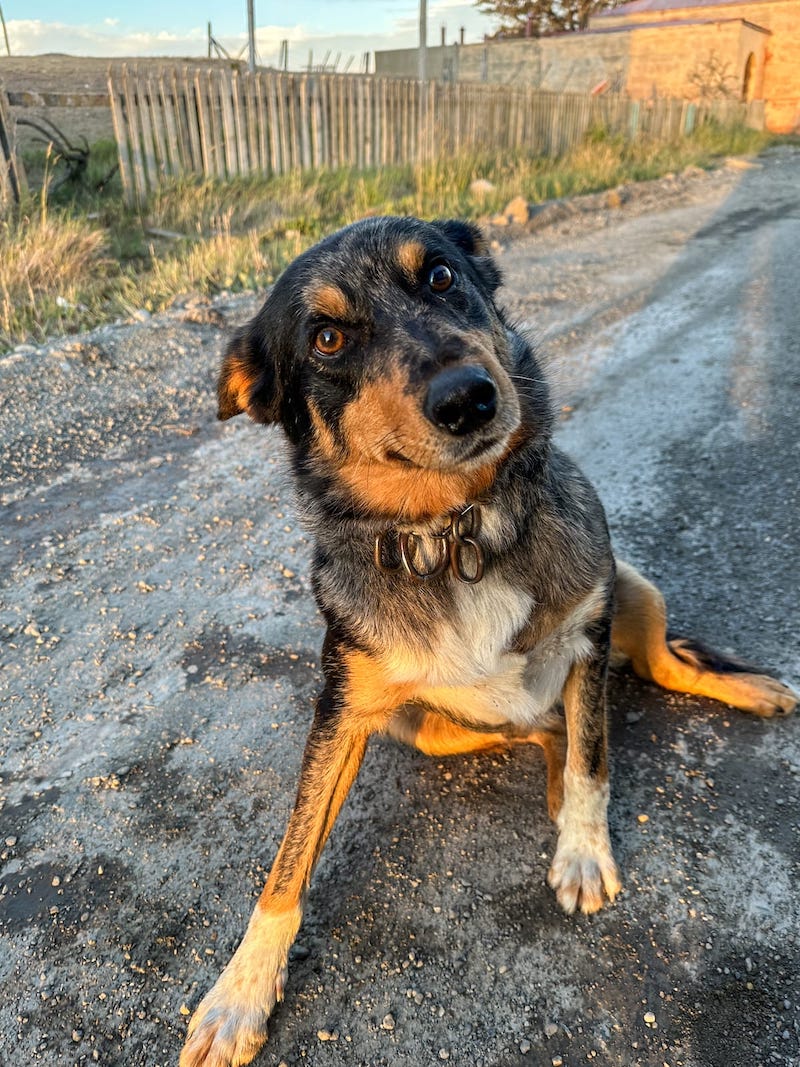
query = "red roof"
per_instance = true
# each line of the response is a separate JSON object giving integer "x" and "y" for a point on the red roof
{"x": 643, "y": 7}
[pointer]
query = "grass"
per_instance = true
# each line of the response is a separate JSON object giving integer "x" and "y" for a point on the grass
{"x": 72, "y": 257}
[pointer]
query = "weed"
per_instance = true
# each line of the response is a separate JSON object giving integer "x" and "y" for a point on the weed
{"x": 75, "y": 256}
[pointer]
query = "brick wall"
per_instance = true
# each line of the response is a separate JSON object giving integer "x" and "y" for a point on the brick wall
{"x": 642, "y": 59}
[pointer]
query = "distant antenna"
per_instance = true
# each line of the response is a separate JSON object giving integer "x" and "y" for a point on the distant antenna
{"x": 5, "y": 31}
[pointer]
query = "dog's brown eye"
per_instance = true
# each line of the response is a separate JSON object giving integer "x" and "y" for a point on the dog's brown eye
{"x": 440, "y": 278}
{"x": 329, "y": 341}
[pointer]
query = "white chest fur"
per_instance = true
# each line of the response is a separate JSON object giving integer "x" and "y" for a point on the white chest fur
{"x": 470, "y": 671}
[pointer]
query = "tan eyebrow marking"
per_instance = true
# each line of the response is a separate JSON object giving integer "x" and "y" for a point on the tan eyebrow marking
{"x": 330, "y": 302}
{"x": 411, "y": 256}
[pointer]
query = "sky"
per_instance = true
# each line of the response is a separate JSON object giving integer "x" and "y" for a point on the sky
{"x": 178, "y": 27}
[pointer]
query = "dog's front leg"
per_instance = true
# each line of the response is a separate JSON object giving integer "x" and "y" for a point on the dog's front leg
{"x": 583, "y": 866}
{"x": 230, "y": 1025}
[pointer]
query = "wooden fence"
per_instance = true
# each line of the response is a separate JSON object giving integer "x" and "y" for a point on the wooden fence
{"x": 222, "y": 123}
{"x": 12, "y": 173}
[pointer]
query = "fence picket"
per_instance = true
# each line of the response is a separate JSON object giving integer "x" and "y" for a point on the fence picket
{"x": 120, "y": 133}
{"x": 219, "y": 122}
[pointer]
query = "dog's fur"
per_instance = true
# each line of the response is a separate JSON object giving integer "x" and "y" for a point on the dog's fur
{"x": 373, "y": 352}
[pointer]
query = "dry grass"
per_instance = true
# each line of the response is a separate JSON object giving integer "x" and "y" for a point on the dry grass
{"x": 87, "y": 260}
{"x": 54, "y": 270}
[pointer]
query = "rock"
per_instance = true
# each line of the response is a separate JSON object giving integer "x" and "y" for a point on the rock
{"x": 740, "y": 163}
{"x": 613, "y": 199}
{"x": 516, "y": 210}
{"x": 387, "y": 1023}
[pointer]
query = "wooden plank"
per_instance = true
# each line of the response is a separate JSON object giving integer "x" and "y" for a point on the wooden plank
{"x": 29, "y": 98}
{"x": 283, "y": 88}
{"x": 224, "y": 91}
{"x": 217, "y": 129}
{"x": 304, "y": 121}
{"x": 13, "y": 182}
{"x": 292, "y": 124}
{"x": 341, "y": 119}
{"x": 312, "y": 104}
{"x": 132, "y": 119}
{"x": 156, "y": 113}
{"x": 359, "y": 117}
{"x": 329, "y": 120}
{"x": 148, "y": 144}
{"x": 205, "y": 132}
{"x": 329, "y": 144}
{"x": 168, "y": 89}
{"x": 121, "y": 137}
{"x": 270, "y": 83}
{"x": 239, "y": 123}
{"x": 189, "y": 119}
{"x": 260, "y": 117}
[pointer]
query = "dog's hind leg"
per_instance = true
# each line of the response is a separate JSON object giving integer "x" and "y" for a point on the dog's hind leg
{"x": 436, "y": 735}
{"x": 639, "y": 631}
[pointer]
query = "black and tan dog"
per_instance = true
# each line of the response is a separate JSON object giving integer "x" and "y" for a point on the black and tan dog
{"x": 462, "y": 564}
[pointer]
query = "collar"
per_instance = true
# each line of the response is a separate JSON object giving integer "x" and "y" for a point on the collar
{"x": 457, "y": 548}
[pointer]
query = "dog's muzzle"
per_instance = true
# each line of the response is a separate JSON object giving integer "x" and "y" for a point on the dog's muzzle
{"x": 461, "y": 399}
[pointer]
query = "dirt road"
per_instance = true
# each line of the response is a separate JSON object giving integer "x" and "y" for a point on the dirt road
{"x": 160, "y": 656}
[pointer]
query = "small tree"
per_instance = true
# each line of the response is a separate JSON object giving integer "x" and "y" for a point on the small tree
{"x": 712, "y": 79}
{"x": 535, "y": 18}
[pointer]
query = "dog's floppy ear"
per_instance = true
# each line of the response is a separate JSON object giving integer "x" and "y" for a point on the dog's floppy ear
{"x": 248, "y": 380}
{"x": 469, "y": 238}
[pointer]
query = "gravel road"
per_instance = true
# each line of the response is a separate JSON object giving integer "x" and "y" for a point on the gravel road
{"x": 160, "y": 655}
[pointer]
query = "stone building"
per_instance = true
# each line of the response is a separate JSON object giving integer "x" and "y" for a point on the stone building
{"x": 683, "y": 48}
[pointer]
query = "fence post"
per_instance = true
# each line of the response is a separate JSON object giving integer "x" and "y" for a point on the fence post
{"x": 13, "y": 183}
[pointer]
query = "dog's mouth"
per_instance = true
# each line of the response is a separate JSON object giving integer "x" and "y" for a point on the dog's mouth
{"x": 455, "y": 456}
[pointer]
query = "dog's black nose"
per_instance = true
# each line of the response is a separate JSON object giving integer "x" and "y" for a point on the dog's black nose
{"x": 461, "y": 399}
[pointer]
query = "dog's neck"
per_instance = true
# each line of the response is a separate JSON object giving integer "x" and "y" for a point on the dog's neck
{"x": 424, "y": 555}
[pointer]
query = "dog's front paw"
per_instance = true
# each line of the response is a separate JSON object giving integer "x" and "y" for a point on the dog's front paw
{"x": 583, "y": 872}
{"x": 230, "y": 1024}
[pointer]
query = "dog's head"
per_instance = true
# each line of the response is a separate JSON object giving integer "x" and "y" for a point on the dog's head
{"x": 383, "y": 355}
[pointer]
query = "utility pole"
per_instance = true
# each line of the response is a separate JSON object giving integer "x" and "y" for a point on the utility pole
{"x": 5, "y": 31}
{"x": 251, "y": 36}
{"x": 422, "y": 71}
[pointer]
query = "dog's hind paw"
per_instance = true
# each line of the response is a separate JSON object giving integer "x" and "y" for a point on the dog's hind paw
{"x": 698, "y": 669}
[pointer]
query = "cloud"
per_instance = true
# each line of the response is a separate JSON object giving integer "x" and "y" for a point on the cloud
{"x": 112, "y": 39}
{"x": 34, "y": 37}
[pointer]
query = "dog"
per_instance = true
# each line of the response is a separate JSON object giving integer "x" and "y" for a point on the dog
{"x": 462, "y": 564}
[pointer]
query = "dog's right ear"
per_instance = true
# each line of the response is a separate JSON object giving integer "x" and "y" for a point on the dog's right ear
{"x": 248, "y": 380}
